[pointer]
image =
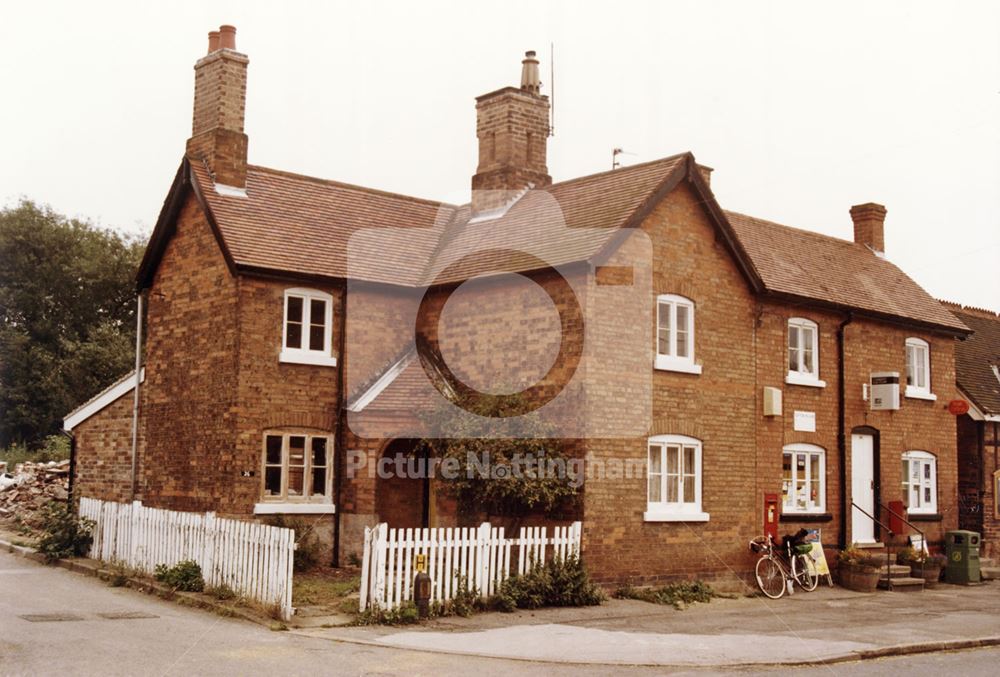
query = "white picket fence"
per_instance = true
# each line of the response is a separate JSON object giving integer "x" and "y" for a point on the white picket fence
{"x": 479, "y": 557}
{"x": 254, "y": 560}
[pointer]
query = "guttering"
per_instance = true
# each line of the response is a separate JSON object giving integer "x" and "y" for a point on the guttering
{"x": 339, "y": 437}
{"x": 842, "y": 429}
{"x": 135, "y": 394}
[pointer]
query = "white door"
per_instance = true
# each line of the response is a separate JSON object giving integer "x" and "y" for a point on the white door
{"x": 862, "y": 488}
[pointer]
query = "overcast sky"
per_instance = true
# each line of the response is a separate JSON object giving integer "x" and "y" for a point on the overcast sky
{"x": 803, "y": 109}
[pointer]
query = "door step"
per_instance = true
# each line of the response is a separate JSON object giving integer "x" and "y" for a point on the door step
{"x": 903, "y": 584}
{"x": 989, "y": 573}
{"x": 896, "y": 571}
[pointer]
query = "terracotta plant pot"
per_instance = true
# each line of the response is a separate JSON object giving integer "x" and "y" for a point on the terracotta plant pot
{"x": 858, "y": 578}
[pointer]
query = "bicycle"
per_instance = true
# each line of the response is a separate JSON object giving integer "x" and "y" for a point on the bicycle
{"x": 775, "y": 572}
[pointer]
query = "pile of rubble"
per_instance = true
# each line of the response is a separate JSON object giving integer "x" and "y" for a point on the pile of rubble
{"x": 30, "y": 486}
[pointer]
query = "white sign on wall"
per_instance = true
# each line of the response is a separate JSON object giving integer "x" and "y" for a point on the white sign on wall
{"x": 805, "y": 421}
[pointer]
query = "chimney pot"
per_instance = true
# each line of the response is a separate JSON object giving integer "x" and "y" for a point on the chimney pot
{"x": 869, "y": 225}
{"x": 512, "y": 126}
{"x": 227, "y": 37}
{"x": 217, "y": 136}
{"x": 529, "y": 73}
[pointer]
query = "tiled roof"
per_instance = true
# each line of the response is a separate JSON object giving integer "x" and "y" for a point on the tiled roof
{"x": 297, "y": 224}
{"x": 840, "y": 272}
{"x": 976, "y": 358}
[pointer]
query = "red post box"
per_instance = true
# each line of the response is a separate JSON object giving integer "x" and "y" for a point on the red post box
{"x": 771, "y": 515}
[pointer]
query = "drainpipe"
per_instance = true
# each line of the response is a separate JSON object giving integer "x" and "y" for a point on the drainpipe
{"x": 135, "y": 398}
{"x": 339, "y": 437}
{"x": 72, "y": 464}
{"x": 842, "y": 429}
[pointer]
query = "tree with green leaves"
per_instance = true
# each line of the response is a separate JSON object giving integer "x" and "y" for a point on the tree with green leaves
{"x": 67, "y": 316}
{"x": 496, "y": 462}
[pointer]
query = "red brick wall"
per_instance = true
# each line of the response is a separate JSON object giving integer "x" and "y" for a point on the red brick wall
{"x": 104, "y": 453}
{"x": 917, "y": 425}
{"x": 192, "y": 345}
{"x": 272, "y": 394}
{"x": 716, "y": 407}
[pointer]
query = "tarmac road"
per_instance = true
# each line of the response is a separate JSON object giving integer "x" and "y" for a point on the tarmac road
{"x": 54, "y": 622}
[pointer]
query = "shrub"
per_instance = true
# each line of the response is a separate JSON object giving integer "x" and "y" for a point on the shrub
{"x": 222, "y": 592}
{"x": 678, "y": 595}
{"x": 910, "y": 556}
{"x": 63, "y": 533}
{"x": 558, "y": 582}
{"x": 855, "y": 556}
{"x": 185, "y": 576}
{"x": 308, "y": 551}
{"x": 405, "y": 614}
{"x": 53, "y": 448}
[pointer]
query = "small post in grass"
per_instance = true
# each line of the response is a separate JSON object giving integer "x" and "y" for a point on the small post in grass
{"x": 422, "y": 586}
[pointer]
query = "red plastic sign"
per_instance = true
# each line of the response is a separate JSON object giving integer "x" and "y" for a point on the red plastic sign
{"x": 958, "y": 407}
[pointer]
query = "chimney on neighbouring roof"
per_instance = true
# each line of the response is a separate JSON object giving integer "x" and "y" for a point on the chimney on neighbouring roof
{"x": 512, "y": 125}
{"x": 220, "y": 88}
{"x": 869, "y": 225}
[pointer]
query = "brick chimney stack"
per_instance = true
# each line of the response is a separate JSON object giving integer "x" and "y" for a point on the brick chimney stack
{"x": 512, "y": 125}
{"x": 869, "y": 225}
{"x": 220, "y": 88}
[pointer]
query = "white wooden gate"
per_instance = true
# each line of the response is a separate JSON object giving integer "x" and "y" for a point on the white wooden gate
{"x": 252, "y": 559}
{"x": 476, "y": 558}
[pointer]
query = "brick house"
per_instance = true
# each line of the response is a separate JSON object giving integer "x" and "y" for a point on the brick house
{"x": 282, "y": 344}
{"x": 977, "y": 360}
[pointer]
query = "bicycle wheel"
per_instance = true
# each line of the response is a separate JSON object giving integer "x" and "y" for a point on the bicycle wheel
{"x": 804, "y": 572}
{"x": 770, "y": 577}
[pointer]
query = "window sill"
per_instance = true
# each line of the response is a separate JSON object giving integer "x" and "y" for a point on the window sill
{"x": 805, "y": 517}
{"x": 796, "y": 379}
{"x": 664, "y": 363}
{"x": 915, "y": 394}
{"x": 294, "y": 509}
{"x": 298, "y": 357}
{"x": 924, "y": 517}
{"x": 663, "y": 516}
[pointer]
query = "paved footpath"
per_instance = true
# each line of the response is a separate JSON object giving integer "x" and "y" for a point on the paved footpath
{"x": 828, "y": 625}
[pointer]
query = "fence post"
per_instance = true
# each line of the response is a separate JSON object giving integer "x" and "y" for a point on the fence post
{"x": 576, "y": 533}
{"x": 482, "y": 558}
{"x": 382, "y": 532}
{"x": 365, "y": 570}
{"x": 208, "y": 549}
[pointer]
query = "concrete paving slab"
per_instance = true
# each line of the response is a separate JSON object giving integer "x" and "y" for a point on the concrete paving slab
{"x": 567, "y": 643}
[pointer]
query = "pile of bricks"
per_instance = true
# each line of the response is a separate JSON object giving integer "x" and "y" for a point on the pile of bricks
{"x": 30, "y": 486}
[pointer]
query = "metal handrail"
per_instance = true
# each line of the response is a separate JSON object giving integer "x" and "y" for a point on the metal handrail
{"x": 888, "y": 546}
{"x": 908, "y": 522}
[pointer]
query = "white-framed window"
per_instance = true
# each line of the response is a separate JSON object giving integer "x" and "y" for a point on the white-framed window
{"x": 675, "y": 334}
{"x": 803, "y": 479}
{"x": 307, "y": 328}
{"x": 920, "y": 482}
{"x": 673, "y": 486}
{"x": 918, "y": 369}
{"x": 803, "y": 353}
{"x": 297, "y": 467}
